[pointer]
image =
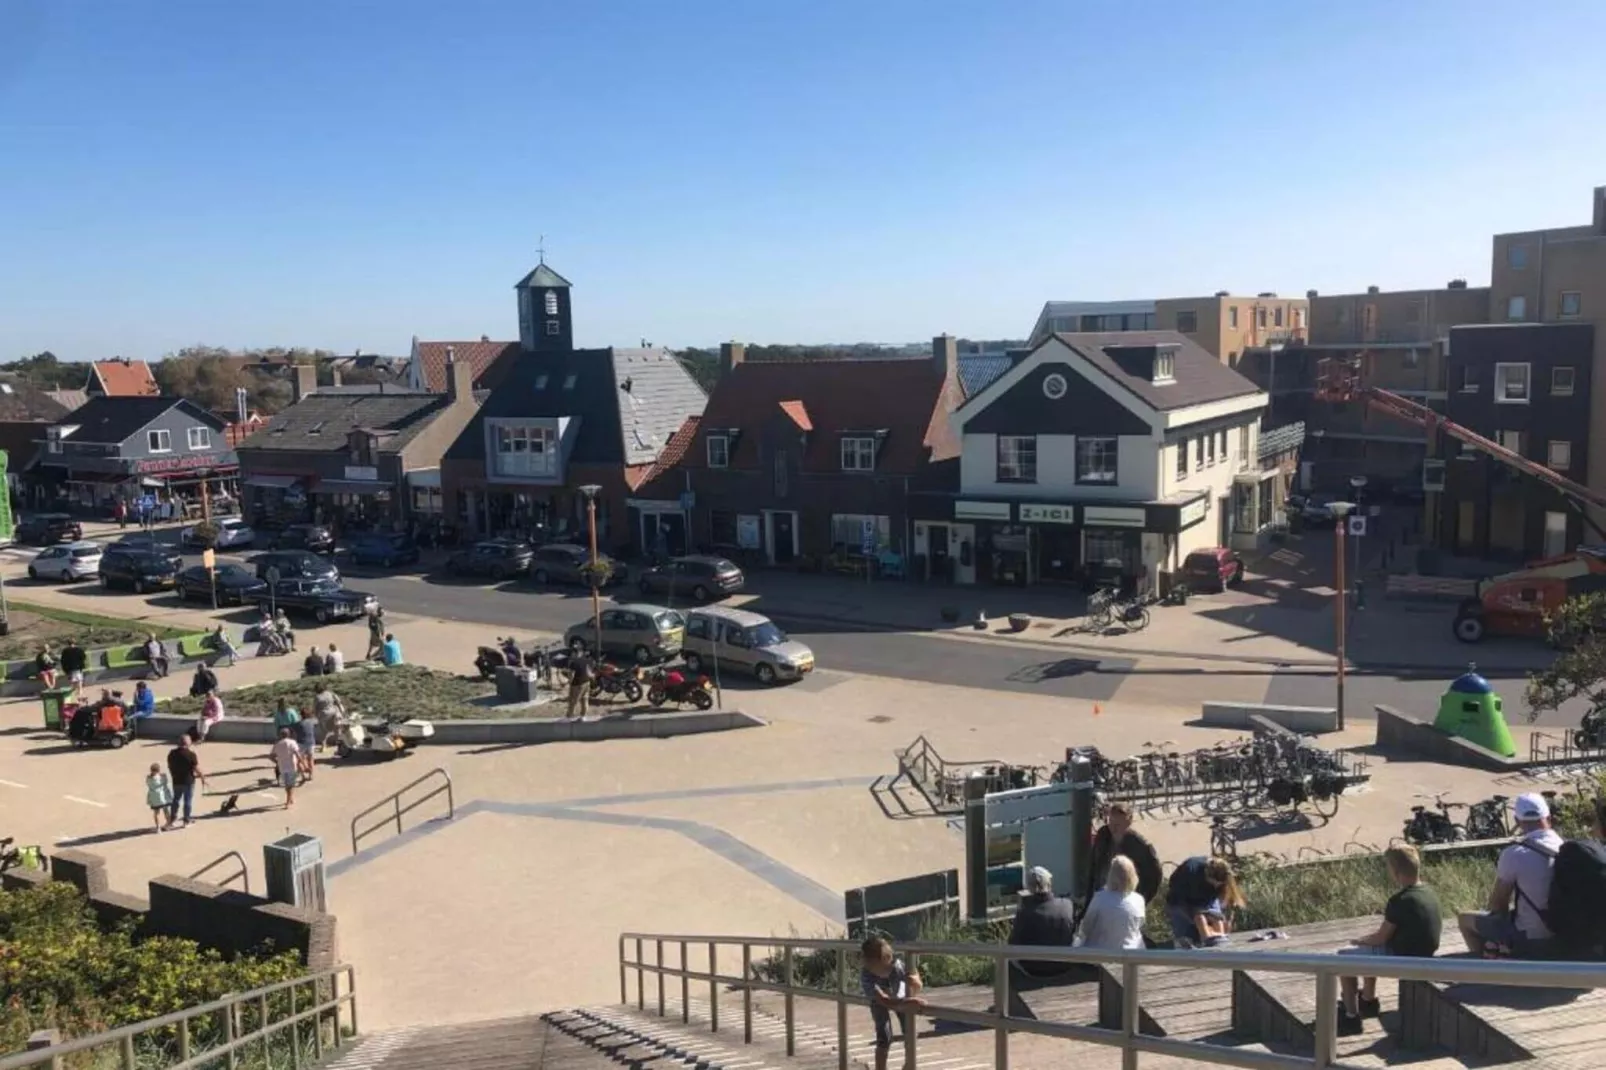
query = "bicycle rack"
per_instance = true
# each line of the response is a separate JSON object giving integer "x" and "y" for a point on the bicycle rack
{"x": 243, "y": 875}
{"x": 394, "y": 799}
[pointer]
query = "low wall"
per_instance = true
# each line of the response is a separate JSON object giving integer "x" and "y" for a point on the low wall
{"x": 1306, "y": 720}
{"x": 1401, "y": 732}
{"x": 21, "y": 675}
{"x": 521, "y": 730}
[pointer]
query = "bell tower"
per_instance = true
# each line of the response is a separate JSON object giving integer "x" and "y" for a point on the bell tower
{"x": 545, "y": 324}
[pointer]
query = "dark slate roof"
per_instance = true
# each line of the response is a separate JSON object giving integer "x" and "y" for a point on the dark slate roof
{"x": 977, "y": 373}
{"x": 542, "y": 276}
{"x": 1281, "y": 439}
{"x": 321, "y": 421}
{"x": 113, "y": 419}
{"x": 1200, "y": 377}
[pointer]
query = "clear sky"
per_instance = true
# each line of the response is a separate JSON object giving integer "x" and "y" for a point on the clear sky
{"x": 350, "y": 173}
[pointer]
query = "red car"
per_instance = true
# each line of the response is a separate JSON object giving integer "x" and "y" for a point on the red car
{"x": 1214, "y": 569}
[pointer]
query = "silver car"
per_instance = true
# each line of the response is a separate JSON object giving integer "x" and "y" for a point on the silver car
{"x": 644, "y": 633}
{"x": 69, "y": 562}
{"x": 750, "y": 641}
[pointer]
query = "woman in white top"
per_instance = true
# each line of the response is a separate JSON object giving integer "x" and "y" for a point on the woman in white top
{"x": 1114, "y": 918}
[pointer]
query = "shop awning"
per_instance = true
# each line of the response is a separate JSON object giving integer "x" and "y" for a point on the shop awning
{"x": 351, "y": 486}
{"x": 272, "y": 481}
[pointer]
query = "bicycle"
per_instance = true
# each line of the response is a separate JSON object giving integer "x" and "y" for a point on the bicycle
{"x": 1430, "y": 826}
{"x": 1223, "y": 839}
{"x": 1100, "y": 605}
{"x": 25, "y": 857}
{"x": 1487, "y": 820}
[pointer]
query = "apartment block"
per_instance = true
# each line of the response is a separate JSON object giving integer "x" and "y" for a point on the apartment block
{"x": 1228, "y": 326}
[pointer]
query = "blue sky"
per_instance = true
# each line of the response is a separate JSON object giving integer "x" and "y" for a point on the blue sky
{"x": 349, "y": 173}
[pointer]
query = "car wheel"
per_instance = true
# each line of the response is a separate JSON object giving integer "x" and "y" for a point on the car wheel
{"x": 539, "y": 575}
{"x": 117, "y": 742}
{"x": 1469, "y": 628}
{"x": 577, "y": 645}
{"x": 765, "y": 673}
{"x": 693, "y": 663}
{"x": 700, "y": 593}
{"x": 321, "y": 615}
{"x": 33, "y": 573}
{"x": 642, "y": 654}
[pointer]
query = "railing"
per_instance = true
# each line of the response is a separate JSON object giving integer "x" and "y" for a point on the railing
{"x": 243, "y": 875}
{"x": 940, "y": 781}
{"x": 394, "y": 800}
{"x": 180, "y": 1039}
{"x": 1124, "y": 965}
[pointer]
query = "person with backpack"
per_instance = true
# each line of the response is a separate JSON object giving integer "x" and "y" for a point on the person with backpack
{"x": 1577, "y": 888}
{"x": 1514, "y": 925}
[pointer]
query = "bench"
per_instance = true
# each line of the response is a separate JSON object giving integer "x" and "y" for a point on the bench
{"x": 124, "y": 657}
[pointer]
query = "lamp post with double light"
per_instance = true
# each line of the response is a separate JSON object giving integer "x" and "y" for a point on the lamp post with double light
{"x": 591, "y": 490}
{"x": 1341, "y": 512}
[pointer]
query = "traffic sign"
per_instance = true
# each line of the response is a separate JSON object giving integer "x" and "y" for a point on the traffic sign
{"x": 272, "y": 575}
{"x": 1357, "y": 525}
{"x": 209, "y": 558}
{"x": 688, "y": 500}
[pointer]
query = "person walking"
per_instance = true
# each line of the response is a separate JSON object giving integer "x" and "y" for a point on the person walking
{"x": 376, "y": 634}
{"x": 287, "y": 760}
{"x": 120, "y": 511}
{"x": 580, "y": 673}
{"x": 329, "y": 710}
{"x": 74, "y": 661}
{"x": 184, "y": 769}
{"x": 158, "y": 795}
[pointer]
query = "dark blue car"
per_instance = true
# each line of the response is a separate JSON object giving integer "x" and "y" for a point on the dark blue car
{"x": 381, "y": 548}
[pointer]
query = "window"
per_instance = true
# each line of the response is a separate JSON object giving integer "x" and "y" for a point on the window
{"x": 1096, "y": 459}
{"x": 552, "y": 302}
{"x": 1243, "y": 448}
{"x": 1572, "y": 304}
{"x": 1260, "y": 318}
{"x": 53, "y": 444}
{"x": 1299, "y": 322}
{"x": 200, "y": 438}
{"x": 1511, "y": 440}
{"x": 1232, "y": 316}
{"x": 719, "y": 451}
{"x": 1017, "y": 458}
{"x": 1469, "y": 379}
{"x": 1278, "y": 315}
{"x": 525, "y": 451}
{"x": 847, "y": 530}
{"x": 1210, "y": 451}
{"x": 568, "y": 381}
{"x": 1165, "y": 366}
{"x": 1413, "y": 358}
{"x": 1561, "y": 381}
{"x": 1187, "y": 322}
{"x": 1223, "y": 445}
{"x": 159, "y": 441}
{"x": 722, "y": 527}
{"x": 1511, "y": 384}
{"x": 1198, "y": 454}
{"x": 1182, "y": 459}
{"x": 1516, "y": 308}
{"x": 540, "y": 382}
{"x": 781, "y": 477}
{"x": 553, "y": 327}
{"x": 858, "y": 454}
{"x": 1559, "y": 455}
{"x": 1555, "y": 534}
{"x": 1517, "y": 256}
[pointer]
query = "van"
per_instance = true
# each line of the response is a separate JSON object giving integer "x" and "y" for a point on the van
{"x": 742, "y": 640}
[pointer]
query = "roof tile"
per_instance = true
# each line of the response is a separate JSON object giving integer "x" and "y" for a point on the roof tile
{"x": 490, "y": 360}
{"x": 126, "y": 378}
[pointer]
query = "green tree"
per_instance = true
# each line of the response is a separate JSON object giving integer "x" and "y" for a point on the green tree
{"x": 1580, "y": 666}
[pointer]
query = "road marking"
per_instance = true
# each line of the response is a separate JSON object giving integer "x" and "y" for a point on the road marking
{"x": 86, "y": 802}
{"x": 12, "y": 784}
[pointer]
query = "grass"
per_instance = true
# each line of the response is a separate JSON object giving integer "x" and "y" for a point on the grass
{"x": 33, "y": 625}
{"x": 409, "y": 689}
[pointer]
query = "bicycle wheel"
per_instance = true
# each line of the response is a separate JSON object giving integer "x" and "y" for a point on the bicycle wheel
{"x": 1325, "y": 806}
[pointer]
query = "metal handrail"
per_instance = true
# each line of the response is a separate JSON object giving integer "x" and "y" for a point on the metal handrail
{"x": 244, "y": 875}
{"x": 1324, "y": 969}
{"x": 125, "y": 1038}
{"x": 394, "y": 798}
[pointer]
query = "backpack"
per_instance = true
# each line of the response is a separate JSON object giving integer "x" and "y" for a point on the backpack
{"x": 1577, "y": 888}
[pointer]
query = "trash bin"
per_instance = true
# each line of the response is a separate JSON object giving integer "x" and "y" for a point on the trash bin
{"x": 55, "y": 701}
{"x": 514, "y": 684}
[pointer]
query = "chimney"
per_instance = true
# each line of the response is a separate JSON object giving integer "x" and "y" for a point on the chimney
{"x": 1457, "y": 284}
{"x": 945, "y": 354}
{"x": 334, "y": 377}
{"x": 1310, "y": 295}
{"x": 1374, "y": 289}
{"x": 1600, "y": 209}
{"x": 305, "y": 383}
{"x": 1223, "y": 293}
{"x": 485, "y": 338}
{"x": 730, "y": 355}
{"x": 459, "y": 379}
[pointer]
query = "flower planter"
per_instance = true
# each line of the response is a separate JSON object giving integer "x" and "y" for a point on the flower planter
{"x": 1019, "y": 622}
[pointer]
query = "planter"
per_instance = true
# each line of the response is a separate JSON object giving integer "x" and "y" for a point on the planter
{"x": 1019, "y": 622}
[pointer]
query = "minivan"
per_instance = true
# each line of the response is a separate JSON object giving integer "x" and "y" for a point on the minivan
{"x": 745, "y": 641}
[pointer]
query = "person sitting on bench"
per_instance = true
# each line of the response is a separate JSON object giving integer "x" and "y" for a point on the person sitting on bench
{"x": 1043, "y": 919}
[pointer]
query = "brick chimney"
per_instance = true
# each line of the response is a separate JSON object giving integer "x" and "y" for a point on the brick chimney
{"x": 1600, "y": 209}
{"x": 730, "y": 355}
{"x": 945, "y": 355}
{"x": 305, "y": 382}
{"x": 459, "y": 378}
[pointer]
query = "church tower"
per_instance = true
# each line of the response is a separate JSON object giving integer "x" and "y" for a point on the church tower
{"x": 545, "y": 325}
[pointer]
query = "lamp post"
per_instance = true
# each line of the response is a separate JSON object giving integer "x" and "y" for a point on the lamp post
{"x": 591, "y": 490}
{"x": 1341, "y": 511}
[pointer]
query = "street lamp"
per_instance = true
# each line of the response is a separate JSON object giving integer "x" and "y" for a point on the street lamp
{"x": 591, "y": 490}
{"x": 1341, "y": 511}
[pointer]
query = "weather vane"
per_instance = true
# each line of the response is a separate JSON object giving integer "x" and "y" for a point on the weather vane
{"x": 540, "y": 248}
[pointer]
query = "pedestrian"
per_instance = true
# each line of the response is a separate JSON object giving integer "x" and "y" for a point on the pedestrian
{"x": 307, "y": 739}
{"x": 1410, "y": 929}
{"x": 120, "y": 510}
{"x": 156, "y": 655}
{"x": 890, "y": 987}
{"x": 312, "y": 665}
{"x": 1117, "y": 839}
{"x": 334, "y": 661}
{"x": 1114, "y": 918}
{"x": 1043, "y": 919}
{"x": 329, "y": 710}
{"x": 376, "y": 634}
{"x": 1199, "y": 896}
{"x": 211, "y": 714}
{"x": 205, "y": 680}
{"x": 73, "y": 662}
{"x": 184, "y": 767}
{"x": 144, "y": 704}
{"x": 1514, "y": 924}
{"x": 282, "y": 628}
{"x": 45, "y": 663}
{"x": 287, "y": 760}
{"x": 158, "y": 794}
{"x": 286, "y": 718}
{"x": 580, "y": 674}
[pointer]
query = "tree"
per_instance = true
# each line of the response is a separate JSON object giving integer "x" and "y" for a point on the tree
{"x": 48, "y": 372}
{"x": 206, "y": 375}
{"x": 1576, "y": 629}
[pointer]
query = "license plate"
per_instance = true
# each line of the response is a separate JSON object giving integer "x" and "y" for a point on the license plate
{"x": 675, "y": 635}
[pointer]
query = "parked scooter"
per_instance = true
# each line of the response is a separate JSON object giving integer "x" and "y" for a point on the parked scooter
{"x": 672, "y": 685}
{"x": 610, "y": 679}
{"x": 388, "y": 739}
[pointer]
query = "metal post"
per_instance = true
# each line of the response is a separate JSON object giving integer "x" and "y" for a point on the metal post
{"x": 908, "y": 1019}
{"x": 351, "y": 990}
{"x": 231, "y": 1029}
{"x": 685, "y": 986}
{"x": 841, "y": 1008}
{"x": 262, "y": 1024}
{"x": 184, "y": 1041}
{"x": 713, "y": 984}
{"x": 1001, "y": 1010}
{"x": 1326, "y": 1019}
{"x": 1338, "y": 605}
{"x": 128, "y": 1060}
{"x": 317, "y": 1023}
{"x": 624, "y": 984}
{"x": 659, "y": 944}
{"x": 591, "y": 527}
{"x": 1129, "y": 1014}
{"x": 641, "y": 980}
{"x": 791, "y": 1024}
{"x": 747, "y": 993}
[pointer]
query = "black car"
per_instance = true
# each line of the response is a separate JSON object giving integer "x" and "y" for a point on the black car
{"x": 139, "y": 568}
{"x": 500, "y": 559}
{"x": 322, "y": 600}
{"x": 295, "y": 565}
{"x": 236, "y": 585}
{"x": 314, "y": 538}
{"x": 382, "y": 548}
{"x": 699, "y": 576}
{"x": 564, "y": 562}
{"x": 47, "y": 529}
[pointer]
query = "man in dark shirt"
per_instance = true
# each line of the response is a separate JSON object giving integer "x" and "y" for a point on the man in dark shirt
{"x": 73, "y": 662}
{"x": 1117, "y": 837}
{"x": 183, "y": 769}
{"x": 1043, "y": 919}
{"x": 1412, "y": 922}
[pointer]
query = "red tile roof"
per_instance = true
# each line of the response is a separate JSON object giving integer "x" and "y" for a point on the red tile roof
{"x": 673, "y": 450}
{"x": 491, "y": 361}
{"x": 799, "y": 414}
{"x": 126, "y": 378}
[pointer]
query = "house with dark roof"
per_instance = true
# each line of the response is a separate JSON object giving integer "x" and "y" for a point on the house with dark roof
{"x": 356, "y": 455}
{"x": 811, "y": 459}
{"x": 559, "y": 419}
{"x": 1108, "y": 454}
{"x": 121, "y": 378}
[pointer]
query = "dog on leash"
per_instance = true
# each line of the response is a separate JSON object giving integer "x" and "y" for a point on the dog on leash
{"x": 231, "y": 804}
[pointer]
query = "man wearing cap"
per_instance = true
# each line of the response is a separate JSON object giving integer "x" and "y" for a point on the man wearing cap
{"x": 1043, "y": 919}
{"x": 1514, "y": 924}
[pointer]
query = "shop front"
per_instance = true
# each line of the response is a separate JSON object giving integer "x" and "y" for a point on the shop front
{"x": 179, "y": 487}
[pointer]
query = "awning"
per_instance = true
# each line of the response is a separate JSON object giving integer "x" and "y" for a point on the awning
{"x": 272, "y": 481}
{"x": 424, "y": 477}
{"x": 350, "y": 486}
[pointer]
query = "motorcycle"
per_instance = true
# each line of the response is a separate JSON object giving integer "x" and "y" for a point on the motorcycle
{"x": 610, "y": 679}
{"x": 389, "y": 739}
{"x": 1591, "y": 731}
{"x": 675, "y": 686}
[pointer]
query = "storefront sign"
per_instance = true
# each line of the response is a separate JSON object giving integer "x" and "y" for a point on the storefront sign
{"x": 981, "y": 511}
{"x": 1047, "y": 514}
{"x": 186, "y": 463}
{"x": 747, "y": 532}
{"x": 362, "y": 473}
{"x": 1111, "y": 516}
{"x": 1192, "y": 513}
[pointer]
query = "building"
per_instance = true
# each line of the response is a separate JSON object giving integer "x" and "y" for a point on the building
{"x": 1223, "y": 325}
{"x": 25, "y": 412}
{"x": 561, "y": 419}
{"x": 489, "y": 361}
{"x": 1091, "y": 316}
{"x": 121, "y": 378}
{"x": 355, "y": 456}
{"x": 1134, "y": 447}
{"x": 125, "y": 447}
{"x": 797, "y": 461}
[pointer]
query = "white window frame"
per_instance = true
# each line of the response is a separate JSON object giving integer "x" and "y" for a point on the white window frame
{"x": 200, "y": 438}
{"x": 1106, "y": 451}
{"x": 1182, "y": 459}
{"x": 1558, "y": 389}
{"x": 1559, "y": 455}
{"x": 1502, "y": 383}
{"x": 1516, "y": 308}
{"x": 551, "y": 302}
{"x": 1210, "y": 450}
{"x": 524, "y": 451}
{"x": 1021, "y": 475}
{"x": 719, "y": 457}
{"x": 1577, "y": 303}
{"x": 1198, "y": 454}
{"x": 1165, "y": 366}
{"x": 858, "y": 453}
{"x": 1232, "y": 316}
{"x": 159, "y": 441}
{"x": 1511, "y": 440}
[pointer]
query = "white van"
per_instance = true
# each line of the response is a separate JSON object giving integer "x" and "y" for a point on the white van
{"x": 744, "y": 641}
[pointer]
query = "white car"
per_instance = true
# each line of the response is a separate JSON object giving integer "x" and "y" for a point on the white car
{"x": 68, "y": 562}
{"x": 232, "y": 533}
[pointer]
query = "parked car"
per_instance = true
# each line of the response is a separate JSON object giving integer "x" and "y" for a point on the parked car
{"x": 564, "y": 562}
{"x": 1313, "y": 509}
{"x": 500, "y": 559}
{"x": 322, "y": 600}
{"x": 139, "y": 568}
{"x": 68, "y": 562}
{"x": 1214, "y": 569}
{"x": 738, "y": 639}
{"x": 230, "y": 533}
{"x": 382, "y": 548}
{"x": 314, "y": 538}
{"x": 236, "y": 585}
{"x": 295, "y": 565}
{"x": 47, "y": 529}
{"x": 634, "y": 630}
{"x": 698, "y": 576}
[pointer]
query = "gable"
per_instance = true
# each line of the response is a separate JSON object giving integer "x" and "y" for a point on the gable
{"x": 1085, "y": 409}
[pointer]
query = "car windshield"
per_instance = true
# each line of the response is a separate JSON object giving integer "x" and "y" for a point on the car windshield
{"x": 86, "y": 551}
{"x": 669, "y": 619}
{"x": 232, "y": 572}
{"x": 767, "y": 634}
{"x": 725, "y": 568}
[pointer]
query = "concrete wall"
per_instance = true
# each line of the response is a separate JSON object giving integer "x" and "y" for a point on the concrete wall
{"x": 1405, "y": 734}
{"x": 1306, "y": 720}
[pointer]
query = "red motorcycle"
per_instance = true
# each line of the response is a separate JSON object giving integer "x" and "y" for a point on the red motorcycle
{"x": 675, "y": 686}
{"x": 610, "y": 679}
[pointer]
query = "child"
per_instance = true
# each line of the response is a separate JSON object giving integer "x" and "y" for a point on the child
{"x": 158, "y": 794}
{"x": 1411, "y": 926}
{"x": 889, "y": 987}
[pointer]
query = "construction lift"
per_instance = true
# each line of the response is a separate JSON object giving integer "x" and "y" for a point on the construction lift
{"x": 1516, "y": 603}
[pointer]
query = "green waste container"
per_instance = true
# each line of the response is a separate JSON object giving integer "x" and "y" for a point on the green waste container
{"x": 55, "y": 700}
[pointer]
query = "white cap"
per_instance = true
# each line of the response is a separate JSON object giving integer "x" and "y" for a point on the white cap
{"x": 1531, "y": 807}
{"x": 1039, "y": 881}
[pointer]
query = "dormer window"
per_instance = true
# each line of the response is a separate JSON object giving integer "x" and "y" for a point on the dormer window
{"x": 552, "y": 302}
{"x": 858, "y": 453}
{"x": 719, "y": 451}
{"x": 1165, "y": 366}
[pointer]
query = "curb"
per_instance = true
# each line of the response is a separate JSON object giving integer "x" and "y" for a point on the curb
{"x": 166, "y": 726}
